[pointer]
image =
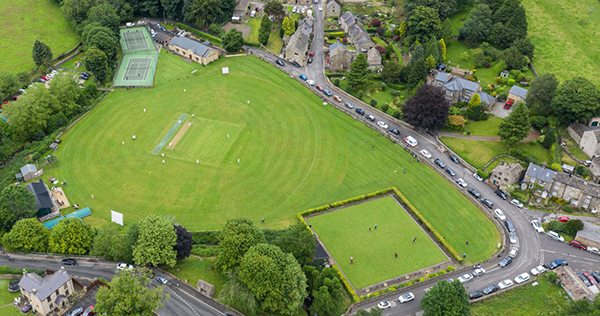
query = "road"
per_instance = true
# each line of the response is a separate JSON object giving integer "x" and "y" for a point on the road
{"x": 534, "y": 248}
{"x": 183, "y": 302}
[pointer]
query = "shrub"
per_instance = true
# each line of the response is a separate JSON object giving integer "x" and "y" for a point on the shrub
{"x": 539, "y": 122}
{"x": 504, "y": 80}
{"x": 482, "y": 174}
{"x": 568, "y": 209}
{"x": 422, "y": 279}
{"x": 552, "y": 276}
{"x": 511, "y": 82}
{"x": 443, "y": 272}
{"x": 450, "y": 268}
{"x": 375, "y": 22}
{"x": 385, "y": 107}
{"x": 396, "y": 114}
{"x": 336, "y": 82}
{"x": 206, "y": 237}
{"x": 373, "y": 102}
{"x": 556, "y": 167}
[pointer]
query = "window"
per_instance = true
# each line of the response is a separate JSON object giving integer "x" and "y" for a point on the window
{"x": 48, "y": 299}
{"x": 467, "y": 92}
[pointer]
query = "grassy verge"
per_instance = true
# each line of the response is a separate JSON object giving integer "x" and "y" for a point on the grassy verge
{"x": 192, "y": 269}
{"x": 475, "y": 152}
{"x": 488, "y": 127}
{"x": 6, "y": 298}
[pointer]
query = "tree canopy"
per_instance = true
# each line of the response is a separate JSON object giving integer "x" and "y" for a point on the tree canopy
{"x": 445, "y": 299}
{"x": 275, "y": 9}
{"x": 110, "y": 245}
{"x": 97, "y": 62}
{"x": 297, "y": 240}
{"x": 184, "y": 242}
{"x": 424, "y": 22}
{"x": 9, "y": 84}
{"x": 576, "y": 99}
{"x": 71, "y": 236}
{"x": 541, "y": 93}
{"x": 27, "y": 235}
{"x": 30, "y": 113}
{"x": 155, "y": 242}
{"x": 516, "y": 126}
{"x": 428, "y": 108}
{"x": 236, "y": 238}
{"x": 477, "y": 28}
{"x": 360, "y": 74}
{"x": 233, "y": 40}
{"x": 41, "y": 53}
{"x": 206, "y": 12}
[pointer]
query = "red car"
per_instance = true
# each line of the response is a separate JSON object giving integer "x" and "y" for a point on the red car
{"x": 45, "y": 78}
{"x": 311, "y": 54}
{"x": 563, "y": 219}
{"x": 590, "y": 278}
{"x": 508, "y": 105}
{"x": 576, "y": 244}
{"x": 88, "y": 311}
{"x": 319, "y": 88}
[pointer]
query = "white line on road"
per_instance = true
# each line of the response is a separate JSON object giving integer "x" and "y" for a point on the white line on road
{"x": 186, "y": 303}
{"x": 203, "y": 303}
{"x": 571, "y": 256}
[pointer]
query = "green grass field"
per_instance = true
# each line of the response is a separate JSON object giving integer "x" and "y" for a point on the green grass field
{"x": 25, "y": 21}
{"x": 565, "y": 44}
{"x": 475, "y": 152}
{"x": 295, "y": 153}
{"x": 346, "y": 234}
{"x": 488, "y": 127}
{"x": 254, "y": 24}
{"x": 192, "y": 269}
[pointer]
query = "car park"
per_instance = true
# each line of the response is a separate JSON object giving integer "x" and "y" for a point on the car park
{"x": 360, "y": 111}
{"x": 537, "y": 226}
{"x": 161, "y": 279}
{"x": 348, "y": 105}
{"x": 478, "y": 272}
{"x": 584, "y": 279}
{"x": 505, "y": 262}
{"x": 384, "y": 305}
{"x": 461, "y": 182}
{"x": 337, "y": 98}
{"x": 499, "y": 214}
{"x": 411, "y": 141}
{"x": 406, "y": 297}
{"x": 310, "y": 82}
{"x": 514, "y": 251}
{"x": 595, "y": 250}
{"x": 478, "y": 177}
{"x": 475, "y": 295}
{"x": 538, "y": 270}
{"x": 327, "y": 92}
{"x": 371, "y": 118}
{"x": 382, "y": 125}
{"x": 319, "y": 88}
{"x": 280, "y": 62}
{"x": 454, "y": 159}
{"x": 522, "y": 277}
{"x": 557, "y": 263}
{"x": 440, "y": 163}
{"x": 577, "y": 244}
{"x": 509, "y": 226}
{"x": 68, "y": 262}
{"x": 512, "y": 237}
{"x": 555, "y": 236}
{"x": 487, "y": 203}
{"x": 505, "y": 284}
{"x": 474, "y": 193}
{"x": 303, "y": 77}
{"x": 501, "y": 194}
{"x": 124, "y": 266}
{"x": 465, "y": 278}
{"x": 450, "y": 172}
{"x": 490, "y": 289}
{"x": 76, "y": 312}
{"x": 563, "y": 219}
{"x": 425, "y": 154}
{"x": 394, "y": 131}
{"x": 516, "y": 203}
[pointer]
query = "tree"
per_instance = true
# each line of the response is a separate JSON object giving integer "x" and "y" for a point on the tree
{"x": 510, "y": 23}
{"x": 402, "y": 29}
{"x": 576, "y": 99}
{"x": 516, "y": 126}
{"x": 16, "y": 203}
{"x": 105, "y": 14}
{"x": 541, "y": 93}
{"x": 443, "y": 48}
{"x": 27, "y": 235}
{"x": 289, "y": 27}
{"x": 204, "y": 12}
{"x": 184, "y": 242}
{"x": 500, "y": 67}
{"x": 110, "y": 245}
{"x": 104, "y": 42}
{"x": 29, "y": 114}
{"x": 326, "y": 291}
{"x": 41, "y": 53}
{"x": 372, "y": 312}
{"x": 130, "y": 293}
{"x": 428, "y": 108}
{"x": 324, "y": 303}
{"x": 573, "y": 226}
{"x": 275, "y": 9}
{"x": 447, "y": 31}
{"x": 446, "y": 298}
{"x": 265, "y": 30}
{"x": 442, "y": 8}
{"x": 513, "y": 58}
{"x": 233, "y": 40}
{"x": 475, "y": 100}
{"x": 236, "y": 238}
{"x": 391, "y": 72}
{"x": 360, "y": 74}
{"x": 433, "y": 49}
{"x": 477, "y": 28}
{"x": 456, "y": 122}
{"x": 173, "y": 9}
{"x": 423, "y": 23}
{"x": 297, "y": 240}
{"x": 9, "y": 84}
{"x": 155, "y": 242}
{"x": 430, "y": 62}
{"x": 524, "y": 46}
{"x": 549, "y": 138}
{"x": 97, "y": 62}
{"x": 66, "y": 90}
{"x": 275, "y": 278}
{"x": 71, "y": 236}
{"x": 418, "y": 72}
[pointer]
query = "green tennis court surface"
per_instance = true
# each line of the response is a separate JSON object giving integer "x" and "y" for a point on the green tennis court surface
{"x": 138, "y": 64}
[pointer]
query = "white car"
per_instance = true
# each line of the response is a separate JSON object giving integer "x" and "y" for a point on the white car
{"x": 505, "y": 284}
{"x": 129, "y": 24}
{"x": 320, "y": 7}
{"x": 516, "y": 203}
{"x": 498, "y": 213}
{"x": 310, "y": 82}
{"x": 303, "y": 9}
{"x": 478, "y": 177}
{"x": 478, "y": 272}
{"x": 537, "y": 226}
{"x": 411, "y": 141}
{"x": 465, "y": 278}
{"x": 538, "y": 270}
{"x": 593, "y": 250}
{"x": 513, "y": 238}
{"x": 461, "y": 182}
{"x": 124, "y": 266}
{"x": 522, "y": 277}
{"x": 514, "y": 251}
{"x": 382, "y": 125}
{"x": 406, "y": 297}
{"x": 384, "y": 305}
{"x": 426, "y": 154}
{"x": 555, "y": 236}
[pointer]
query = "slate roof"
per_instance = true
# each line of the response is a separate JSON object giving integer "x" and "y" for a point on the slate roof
{"x": 364, "y": 39}
{"x": 537, "y": 172}
{"x": 373, "y": 56}
{"x": 355, "y": 30}
{"x": 336, "y": 45}
{"x": 486, "y": 98}
{"x": 442, "y": 76}
{"x": 518, "y": 91}
{"x": 331, "y": 3}
{"x": 44, "y": 286}
{"x": 347, "y": 17}
{"x": 28, "y": 168}
{"x": 42, "y": 197}
{"x": 458, "y": 84}
{"x": 301, "y": 38}
{"x": 186, "y": 43}
{"x": 576, "y": 182}
{"x": 590, "y": 232}
{"x": 161, "y": 37}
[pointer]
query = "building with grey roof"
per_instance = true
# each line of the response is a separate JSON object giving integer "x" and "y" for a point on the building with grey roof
{"x": 193, "y": 50}
{"x": 589, "y": 235}
{"x": 516, "y": 94}
{"x": 332, "y": 9}
{"x": 587, "y": 136}
{"x": 44, "y": 201}
{"x": 486, "y": 99}
{"x": 28, "y": 172}
{"x": 47, "y": 294}
{"x": 538, "y": 175}
{"x": 340, "y": 57}
{"x": 457, "y": 89}
{"x": 578, "y": 192}
{"x": 297, "y": 47}
{"x": 374, "y": 59}
{"x": 505, "y": 174}
{"x": 347, "y": 20}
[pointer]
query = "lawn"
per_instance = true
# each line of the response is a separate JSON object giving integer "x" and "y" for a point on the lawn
{"x": 565, "y": 44}
{"x": 294, "y": 154}
{"x": 192, "y": 269}
{"x": 346, "y": 234}
{"x": 488, "y": 127}
{"x": 275, "y": 41}
{"x": 537, "y": 150}
{"x": 544, "y": 299}
{"x": 25, "y": 21}
{"x": 254, "y": 24}
{"x": 6, "y": 299}
{"x": 475, "y": 152}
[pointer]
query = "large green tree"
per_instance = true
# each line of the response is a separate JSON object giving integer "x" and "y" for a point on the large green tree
{"x": 233, "y": 40}
{"x": 297, "y": 240}
{"x": 541, "y": 93}
{"x": 443, "y": 8}
{"x": 433, "y": 49}
{"x": 513, "y": 58}
{"x": 477, "y": 28}
{"x": 510, "y": 23}
{"x": 110, "y": 244}
{"x": 445, "y": 299}
{"x": 204, "y": 12}
{"x": 27, "y": 235}
{"x": 392, "y": 72}
{"x": 360, "y": 74}
{"x": 525, "y": 47}
{"x": 446, "y": 31}
{"x": 516, "y": 126}
{"x": 29, "y": 114}
{"x": 97, "y": 62}
{"x": 41, "y": 53}
{"x": 155, "y": 242}
{"x": 235, "y": 239}
{"x": 16, "y": 203}
{"x": 105, "y": 14}
{"x": 9, "y": 84}
{"x": 418, "y": 72}
{"x": 71, "y": 236}
{"x": 326, "y": 291}
{"x": 275, "y": 9}
{"x": 576, "y": 99}
{"x": 130, "y": 293}
{"x": 428, "y": 108}
{"x": 173, "y": 9}
{"x": 423, "y": 23}
{"x": 65, "y": 89}
{"x": 289, "y": 27}
{"x": 265, "y": 30}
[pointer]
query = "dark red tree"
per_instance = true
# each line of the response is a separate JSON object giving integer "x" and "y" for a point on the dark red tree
{"x": 375, "y": 22}
{"x": 381, "y": 50}
{"x": 184, "y": 242}
{"x": 428, "y": 108}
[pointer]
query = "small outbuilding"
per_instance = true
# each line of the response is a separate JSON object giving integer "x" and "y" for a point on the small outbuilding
{"x": 43, "y": 199}
{"x": 516, "y": 94}
{"x": 28, "y": 172}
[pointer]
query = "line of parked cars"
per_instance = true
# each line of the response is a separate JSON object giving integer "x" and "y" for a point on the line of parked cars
{"x": 404, "y": 298}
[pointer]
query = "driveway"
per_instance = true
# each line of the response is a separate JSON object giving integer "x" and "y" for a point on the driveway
{"x": 499, "y": 110}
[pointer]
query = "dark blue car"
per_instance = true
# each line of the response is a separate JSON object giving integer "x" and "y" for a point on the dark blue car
{"x": 327, "y": 92}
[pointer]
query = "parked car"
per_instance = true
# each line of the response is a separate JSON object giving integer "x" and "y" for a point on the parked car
{"x": 310, "y": 60}
{"x": 461, "y": 182}
{"x": 501, "y": 194}
{"x": 475, "y": 295}
{"x": 490, "y": 289}
{"x": 129, "y": 24}
{"x": 465, "y": 278}
{"x": 348, "y": 105}
{"x": 537, "y": 226}
{"x": 440, "y": 163}
{"x": 478, "y": 272}
{"x": 505, "y": 284}
{"x": 487, "y": 203}
{"x": 320, "y": 7}
{"x": 303, "y": 77}
{"x": 411, "y": 141}
{"x": 40, "y": 80}
{"x": 45, "y": 78}
{"x": 583, "y": 278}
{"x": 394, "y": 131}
{"x": 280, "y": 62}
{"x": 557, "y": 263}
{"x": 406, "y": 297}
{"x": 294, "y": 9}
{"x": 319, "y": 88}
{"x": 563, "y": 219}
{"x": 311, "y": 54}
{"x": 88, "y": 311}
{"x": 512, "y": 237}
{"x": 593, "y": 250}
{"x": 13, "y": 286}
{"x": 577, "y": 244}
{"x": 68, "y": 262}
{"x": 295, "y": 64}
{"x": 478, "y": 177}
{"x": 382, "y": 125}
{"x": 450, "y": 172}
{"x": 384, "y": 305}
{"x": 522, "y": 277}
{"x": 590, "y": 278}
{"x": 514, "y": 251}
{"x": 474, "y": 193}
{"x": 21, "y": 91}
{"x": 516, "y": 203}
{"x": 508, "y": 104}
{"x": 509, "y": 226}
{"x": 310, "y": 82}
{"x": 454, "y": 159}
{"x": 499, "y": 214}
{"x": 505, "y": 262}
{"x": 370, "y": 118}
{"x": 327, "y": 92}
{"x": 555, "y": 236}
{"x": 538, "y": 270}
{"x": 77, "y": 312}
{"x": 596, "y": 276}
{"x": 161, "y": 279}
{"x": 124, "y": 266}
{"x": 426, "y": 154}
{"x": 360, "y": 111}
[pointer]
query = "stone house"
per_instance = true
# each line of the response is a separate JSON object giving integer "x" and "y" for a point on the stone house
{"x": 374, "y": 60}
{"x": 48, "y": 294}
{"x": 193, "y": 50}
{"x": 577, "y": 191}
{"x": 333, "y": 9}
{"x": 505, "y": 174}
{"x": 347, "y": 20}
{"x": 44, "y": 200}
{"x": 297, "y": 47}
{"x": 589, "y": 235}
{"x": 538, "y": 175}
{"x": 28, "y": 172}
{"x": 356, "y": 33}
{"x": 587, "y": 136}
{"x": 340, "y": 57}
{"x": 516, "y": 94}
{"x": 457, "y": 89}
{"x": 163, "y": 38}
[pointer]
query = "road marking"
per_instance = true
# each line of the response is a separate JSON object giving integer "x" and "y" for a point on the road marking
{"x": 550, "y": 251}
{"x": 571, "y": 256}
{"x": 186, "y": 303}
{"x": 201, "y": 302}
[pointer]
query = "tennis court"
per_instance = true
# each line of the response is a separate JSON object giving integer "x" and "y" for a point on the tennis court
{"x": 138, "y": 63}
